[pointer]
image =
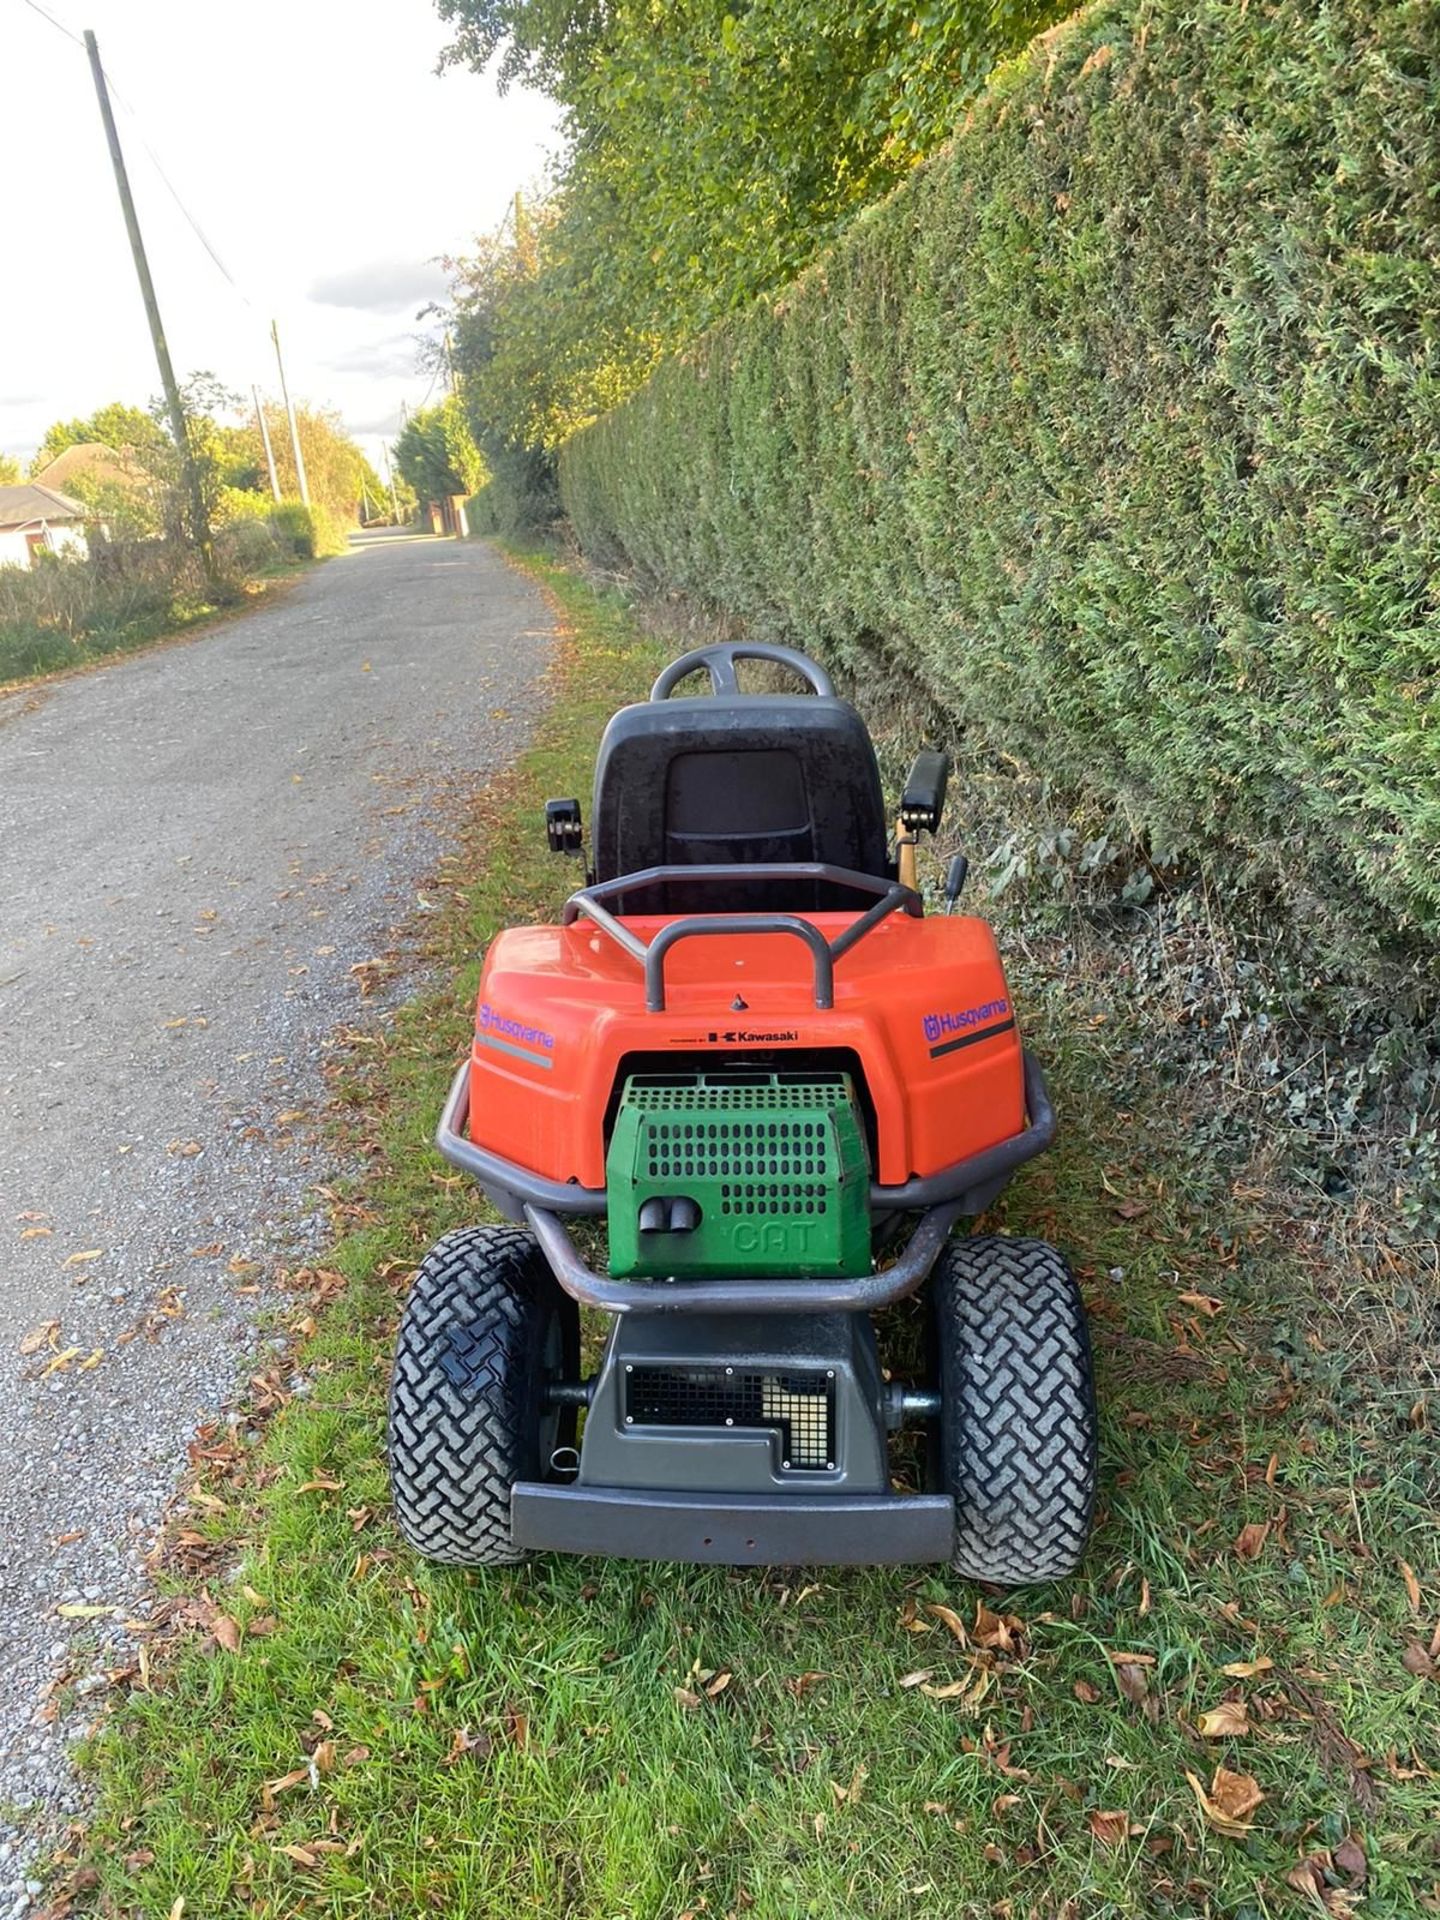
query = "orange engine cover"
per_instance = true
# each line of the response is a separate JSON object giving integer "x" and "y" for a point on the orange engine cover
{"x": 922, "y": 1004}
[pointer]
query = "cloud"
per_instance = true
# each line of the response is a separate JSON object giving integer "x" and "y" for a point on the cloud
{"x": 384, "y": 425}
{"x": 395, "y": 357}
{"x": 385, "y": 286}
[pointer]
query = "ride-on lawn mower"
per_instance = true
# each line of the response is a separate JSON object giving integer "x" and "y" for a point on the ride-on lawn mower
{"x": 746, "y": 1050}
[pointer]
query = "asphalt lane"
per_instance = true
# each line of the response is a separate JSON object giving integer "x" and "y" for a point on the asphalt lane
{"x": 197, "y": 846}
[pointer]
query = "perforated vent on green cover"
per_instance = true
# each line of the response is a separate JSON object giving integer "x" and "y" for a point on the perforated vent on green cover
{"x": 764, "y": 1173}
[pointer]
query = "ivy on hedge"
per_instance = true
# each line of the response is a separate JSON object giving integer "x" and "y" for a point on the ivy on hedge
{"x": 1118, "y": 428}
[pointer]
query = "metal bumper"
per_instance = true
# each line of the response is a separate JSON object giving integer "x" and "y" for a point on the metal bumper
{"x": 971, "y": 1184}
{"x": 756, "y": 1530}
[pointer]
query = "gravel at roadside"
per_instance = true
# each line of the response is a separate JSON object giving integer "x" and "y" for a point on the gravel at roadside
{"x": 200, "y": 846}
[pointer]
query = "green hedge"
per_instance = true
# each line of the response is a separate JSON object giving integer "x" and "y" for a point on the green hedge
{"x": 519, "y": 497}
{"x": 1117, "y": 428}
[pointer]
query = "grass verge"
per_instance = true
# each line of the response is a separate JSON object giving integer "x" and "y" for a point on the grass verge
{"x": 30, "y": 651}
{"x": 333, "y": 1728}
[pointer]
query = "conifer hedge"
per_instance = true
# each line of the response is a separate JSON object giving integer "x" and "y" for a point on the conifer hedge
{"x": 1118, "y": 428}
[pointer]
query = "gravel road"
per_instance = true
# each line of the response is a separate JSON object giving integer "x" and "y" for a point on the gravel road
{"x": 196, "y": 846}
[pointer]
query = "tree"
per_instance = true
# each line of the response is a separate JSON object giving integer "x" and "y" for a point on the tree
{"x": 9, "y": 471}
{"x": 336, "y": 471}
{"x": 714, "y": 147}
{"x": 436, "y": 455}
{"x": 122, "y": 428}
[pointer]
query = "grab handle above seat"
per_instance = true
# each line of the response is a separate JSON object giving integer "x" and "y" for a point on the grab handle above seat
{"x": 590, "y": 901}
{"x": 719, "y": 663}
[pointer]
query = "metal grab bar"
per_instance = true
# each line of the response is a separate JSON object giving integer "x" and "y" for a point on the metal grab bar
{"x": 821, "y": 951}
{"x": 590, "y": 902}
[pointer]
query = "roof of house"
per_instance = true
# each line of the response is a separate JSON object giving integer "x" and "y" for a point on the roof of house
{"x": 24, "y": 505}
{"x": 92, "y": 460}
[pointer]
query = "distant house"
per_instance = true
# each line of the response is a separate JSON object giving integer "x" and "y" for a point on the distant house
{"x": 36, "y": 519}
{"x": 91, "y": 470}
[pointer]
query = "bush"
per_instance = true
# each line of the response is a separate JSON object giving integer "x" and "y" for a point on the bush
{"x": 1114, "y": 428}
{"x": 521, "y": 495}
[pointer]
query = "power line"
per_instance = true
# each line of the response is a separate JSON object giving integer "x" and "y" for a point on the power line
{"x": 195, "y": 226}
{"x": 35, "y": 7}
{"x": 154, "y": 157}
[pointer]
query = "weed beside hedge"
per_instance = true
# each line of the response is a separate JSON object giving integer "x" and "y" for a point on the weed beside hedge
{"x": 1116, "y": 428}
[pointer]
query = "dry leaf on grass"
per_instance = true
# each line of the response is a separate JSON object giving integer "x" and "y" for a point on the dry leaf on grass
{"x": 1407, "y": 1574}
{"x": 1247, "y": 1669}
{"x": 226, "y": 1632}
{"x": 1111, "y": 1829}
{"x": 951, "y": 1619}
{"x": 1085, "y": 1693}
{"x": 1417, "y": 1660}
{"x": 1349, "y": 1858}
{"x": 1232, "y": 1798}
{"x": 1250, "y": 1540}
{"x": 1000, "y": 1632}
{"x": 1228, "y": 1721}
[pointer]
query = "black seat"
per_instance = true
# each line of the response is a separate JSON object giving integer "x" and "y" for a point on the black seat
{"x": 738, "y": 778}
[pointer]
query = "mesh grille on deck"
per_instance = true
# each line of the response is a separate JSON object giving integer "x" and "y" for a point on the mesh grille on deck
{"x": 800, "y": 1407}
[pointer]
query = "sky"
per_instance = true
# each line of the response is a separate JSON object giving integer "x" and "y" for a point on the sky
{"x": 312, "y": 142}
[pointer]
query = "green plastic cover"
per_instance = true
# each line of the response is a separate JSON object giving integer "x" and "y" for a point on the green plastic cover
{"x": 754, "y": 1173}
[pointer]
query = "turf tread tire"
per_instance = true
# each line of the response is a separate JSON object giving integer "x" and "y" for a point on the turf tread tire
{"x": 465, "y": 1392}
{"x": 1018, "y": 1429}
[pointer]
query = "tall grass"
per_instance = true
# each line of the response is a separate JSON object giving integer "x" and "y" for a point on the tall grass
{"x": 66, "y": 611}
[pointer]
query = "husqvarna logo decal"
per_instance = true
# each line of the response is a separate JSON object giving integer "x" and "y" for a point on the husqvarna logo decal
{"x": 498, "y": 1030}
{"x": 948, "y": 1032}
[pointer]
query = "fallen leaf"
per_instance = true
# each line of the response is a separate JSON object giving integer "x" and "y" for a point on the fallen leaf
{"x": 1307, "y": 1876}
{"x": 226, "y": 1632}
{"x": 918, "y": 1678}
{"x": 81, "y": 1610}
{"x": 718, "y": 1685}
{"x": 951, "y": 1691}
{"x": 800, "y": 1684}
{"x": 177, "y": 1907}
{"x": 1002, "y": 1632}
{"x": 1417, "y": 1660}
{"x": 36, "y": 1233}
{"x": 1251, "y": 1539}
{"x": 1205, "y": 1303}
{"x": 851, "y": 1795}
{"x": 1111, "y": 1829}
{"x": 1085, "y": 1693}
{"x": 1407, "y": 1574}
{"x": 1230, "y": 1801}
{"x": 41, "y": 1336}
{"x": 79, "y": 1259}
{"x": 1228, "y": 1721}
{"x": 1349, "y": 1857}
{"x": 951, "y": 1619}
{"x": 1132, "y": 1682}
{"x": 299, "y": 1777}
{"x": 685, "y": 1698}
{"x": 1247, "y": 1669}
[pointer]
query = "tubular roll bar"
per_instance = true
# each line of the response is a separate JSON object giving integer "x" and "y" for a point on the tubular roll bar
{"x": 591, "y": 902}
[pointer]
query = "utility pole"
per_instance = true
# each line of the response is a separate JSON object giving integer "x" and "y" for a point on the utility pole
{"x": 199, "y": 518}
{"x": 269, "y": 450}
{"x": 290, "y": 416}
{"x": 390, "y": 482}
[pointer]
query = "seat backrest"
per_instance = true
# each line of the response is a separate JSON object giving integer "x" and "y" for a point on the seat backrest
{"x": 753, "y": 779}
